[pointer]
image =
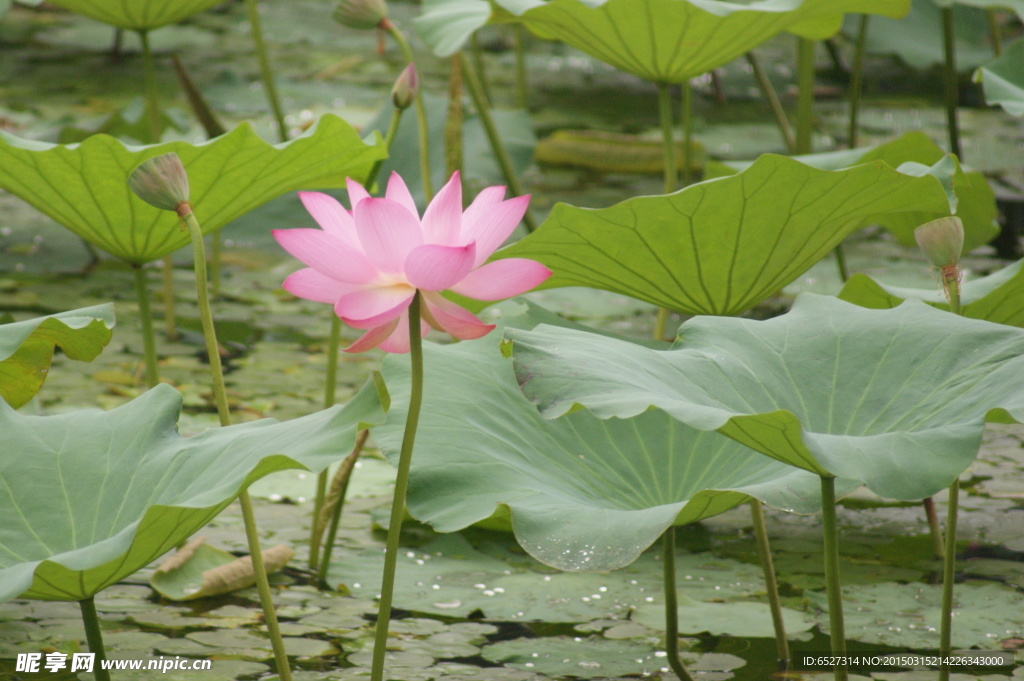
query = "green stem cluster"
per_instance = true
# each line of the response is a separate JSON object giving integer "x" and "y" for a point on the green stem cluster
{"x": 220, "y": 398}
{"x": 387, "y": 587}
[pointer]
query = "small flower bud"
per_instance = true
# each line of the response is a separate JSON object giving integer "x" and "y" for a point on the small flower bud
{"x": 404, "y": 91}
{"x": 161, "y": 182}
{"x": 361, "y": 14}
{"x": 941, "y": 240}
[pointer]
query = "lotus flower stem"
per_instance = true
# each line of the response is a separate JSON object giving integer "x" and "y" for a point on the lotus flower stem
{"x": 834, "y": 591}
{"x": 995, "y": 31}
{"x": 387, "y": 587}
{"x": 671, "y": 180}
{"x": 764, "y": 554}
{"x": 94, "y": 636}
{"x": 805, "y": 95}
{"x": 220, "y": 397}
{"x": 335, "y": 502}
{"x": 522, "y": 92}
{"x": 772, "y": 97}
{"x": 952, "y": 82}
{"x": 687, "y": 120}
{"x": 476, "y": 92}
{"x": 421, "y": 112}
{"x": 951, "y": 282}
{"x": 668, "y": 542}
{"x": 265, "y": 71}
{"x": 330, "y": 386}
{"x": 146, "y": 316}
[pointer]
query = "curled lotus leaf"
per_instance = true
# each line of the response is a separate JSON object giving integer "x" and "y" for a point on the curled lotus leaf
{"x": 1003, "y": 79}
{"x": 722, "y": 246}
{"x": 89, "y": 497}
{"x": 998, "y": 297}
{"x": 665, "y": 41}
{"x": 137, "y": 15}
{"x": 895, "y": 399}
{"x": 85, "y": 186}
{"x": 26, "y": 348}
{"x": 583, "y": 494}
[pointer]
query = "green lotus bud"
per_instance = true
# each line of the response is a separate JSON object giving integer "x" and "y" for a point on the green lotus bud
{"x": 404, "y": 91}
{"x": 941, "y": 240}
{"x": 161, "y": 182}
{"x": 361, "y": 14}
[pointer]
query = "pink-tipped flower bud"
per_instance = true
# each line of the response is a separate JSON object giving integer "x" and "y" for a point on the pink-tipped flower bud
{"x": 404, "y": 91}
{"x": 161, "y": 182}
{"x": 361, "y": 14}
{"x": 941, "y": 240}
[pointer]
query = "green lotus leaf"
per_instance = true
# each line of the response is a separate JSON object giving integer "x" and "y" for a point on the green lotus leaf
{"x": 896, "y": 399}
{"x": 137, "y": 15}
{"x": 970, "y": 193}
{"x": 722, "y": 246}
{"x": 583, "y": 494}
{"x": 1003, "y": 79}
{"x": 26, "y": 348}
{"x": 998, "y": 298}
{"x": 665, "y": 41}
{"x": 85, "y": 186}
{"x": 89, "y": 497}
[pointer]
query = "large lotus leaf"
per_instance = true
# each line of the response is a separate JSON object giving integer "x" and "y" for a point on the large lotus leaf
{"x": 998, "y": 298}
{"x": 89, "y": 497}
{"x": 26, "y": 348}
{"x": 138, "y": 15}
{"x": 896, "y": 399}
{"x": 668, "y": 41}
{"x": 972, "y": 196}
{"x": 1003, "y": 79}
{"x": 916, "y": 39}
{"x": 85, "y": 186}
{"x": 584, "y": 494}
{"x": 722, "y": 246}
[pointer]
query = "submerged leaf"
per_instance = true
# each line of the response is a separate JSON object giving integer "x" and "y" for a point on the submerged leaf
{"x": 90, "y": 497}
{"x": 26, "y": 348}
{"x": 584, "y": 494}
{"x": 896, "y": 399}
{"x": 722, "y": 246}
{"x": 85, "y": 186}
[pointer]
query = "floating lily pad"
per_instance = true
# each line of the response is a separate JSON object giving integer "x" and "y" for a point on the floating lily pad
{"x": 742, "y": 618}
{"x": 85, "y": 186}
{"x": 999, "y": 297}
{"x": 585, "y": 658}
{"x": 722, "y": 246}
{"x": 584, "y": 494}
{"x": 93, "y": 496}
{"x": 1003, "y": 79}
{"x": 26, "y": 348}
{"x": 138, "y": 15}
{"x": 971, "y": 197}
{"x": 666, "y": 41}
{"x": 896, "y": 399}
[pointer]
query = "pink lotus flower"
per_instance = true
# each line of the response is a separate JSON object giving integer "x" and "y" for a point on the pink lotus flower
{"x": 370, "y": 262}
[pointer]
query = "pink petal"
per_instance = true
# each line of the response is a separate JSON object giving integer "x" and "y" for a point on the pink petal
{"x": 387, "y": 231}
{"x": 442, "y": 221}
{"x": 325, "y": 252}
{"x": 502, "y": 279}
{"x": 444, "y": 315}
{"x": 398, "y": 341}
{"x": 373, "y": 337}
{"x": 492, "y": 223}
{"x": 399, "y": 193}
{"x": 435, "y": 268}
{"x": 356, "y": 192}
{"x": 375, "y": 306}
{"x": 312, "y": 285}
{"x": 331, "y": 216}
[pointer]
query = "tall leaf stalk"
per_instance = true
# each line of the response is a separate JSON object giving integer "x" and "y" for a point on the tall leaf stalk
{"x": 387, "y": 587}
{"x": 668, "y": 559}
{"x": 830, "y": 533}
{"x": 266, "y": 73}
{"x": 94, "y": 637}
{"x": 421, "y": 111}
